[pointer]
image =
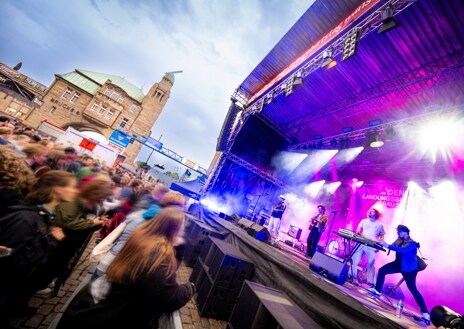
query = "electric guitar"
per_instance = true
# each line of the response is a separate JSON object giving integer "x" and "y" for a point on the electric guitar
{"x": 322, "y": 219}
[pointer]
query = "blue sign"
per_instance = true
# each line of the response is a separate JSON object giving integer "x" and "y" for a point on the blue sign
{"x": 153, "y": 142}
{"x": 120, "y": 139}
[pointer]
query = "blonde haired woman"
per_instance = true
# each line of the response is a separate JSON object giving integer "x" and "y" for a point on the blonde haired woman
{"x": 140, "y": 283}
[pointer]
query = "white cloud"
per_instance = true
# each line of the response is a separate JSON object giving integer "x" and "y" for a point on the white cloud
{"x": 216, "y": 43}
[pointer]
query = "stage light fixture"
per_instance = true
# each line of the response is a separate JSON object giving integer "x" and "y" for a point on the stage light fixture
{"x": 327, "y": 59}
{"x": 344, "y": 142}
{"x": 388, "y": 22}
{"x": 298, "y": 79}
{"x": 350, "y": 45}
{"x": 373, "y": 139}
{"x": 261, "y": 106}
{"x": 269, "y": 98}
{"x": 389, "y": 133}
{"x": 333, "y": 143}
{"x": 288, "y": 89}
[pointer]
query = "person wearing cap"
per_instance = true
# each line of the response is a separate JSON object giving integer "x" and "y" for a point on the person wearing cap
{"x": 372, "y": 229}
{"x": 405, "y": 263}
{"x": 278, "y": 210}
{"x": 316, "y": 228}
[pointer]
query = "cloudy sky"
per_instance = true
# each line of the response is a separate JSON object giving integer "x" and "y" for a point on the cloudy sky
{"x": 216, "y": 43}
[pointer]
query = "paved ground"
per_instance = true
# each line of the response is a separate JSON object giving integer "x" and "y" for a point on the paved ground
{"x": 48, "y": 307}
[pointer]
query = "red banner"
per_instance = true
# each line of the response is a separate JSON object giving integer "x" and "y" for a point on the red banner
{"x": 86, "y": 144}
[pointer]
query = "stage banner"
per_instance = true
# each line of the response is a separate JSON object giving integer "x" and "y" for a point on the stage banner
{"x": 387, "y": 195}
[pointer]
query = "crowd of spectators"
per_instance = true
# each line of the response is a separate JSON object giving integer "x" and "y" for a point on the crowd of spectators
{"x": 52, "y": 200}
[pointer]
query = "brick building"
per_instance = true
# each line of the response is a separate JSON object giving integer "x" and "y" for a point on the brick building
{"x": 19, "y": 94}
{"x": 98, "y": 102}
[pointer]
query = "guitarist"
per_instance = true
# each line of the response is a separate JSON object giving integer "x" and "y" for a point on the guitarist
{"x": 316, "y": 228}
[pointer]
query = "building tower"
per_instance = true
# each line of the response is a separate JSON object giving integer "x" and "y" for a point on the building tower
{"x": 91, "y": 101}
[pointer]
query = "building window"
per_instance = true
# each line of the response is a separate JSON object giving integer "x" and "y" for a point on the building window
{"x": 109, "y": 114}
{"x": 123, "y": 123}
{"x": 133, "y": 108}
{"x": 67, "y": 93}
{"x": 75, "y": 97}
{"x": 120, "y": 99}
{"x": 108, "y": 92}
{"x": 94, "y": 107}
{"x": 10, "y": 111}
{"x": 102, "y": 110}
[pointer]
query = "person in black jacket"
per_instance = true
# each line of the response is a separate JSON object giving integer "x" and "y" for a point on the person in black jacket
{"x": 140, "y": 283}
{"x": 27, "y": 230}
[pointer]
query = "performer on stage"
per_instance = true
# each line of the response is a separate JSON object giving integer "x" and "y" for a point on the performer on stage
{"x": 372, "y": 229}
{"x": 276, "y": 216}
{"x": 405, "y": 263}
{"x": 316, "y": 228}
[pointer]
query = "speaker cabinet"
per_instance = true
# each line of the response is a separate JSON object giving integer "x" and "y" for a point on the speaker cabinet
{"x": 196, "y": 237}
{"x": 259, "y": 232}
{"x": 245, "y": 223}
{"x": 219, "y": 275}
{"x": 335, "y": 270}
{"x": 263, "y": 307}
{"x": 294, "y": 232}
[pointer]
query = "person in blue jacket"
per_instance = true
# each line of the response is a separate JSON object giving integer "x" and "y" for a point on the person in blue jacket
{"x": 405, "y": 263}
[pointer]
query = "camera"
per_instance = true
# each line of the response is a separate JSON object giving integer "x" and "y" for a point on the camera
{"x": 443, "y": 316}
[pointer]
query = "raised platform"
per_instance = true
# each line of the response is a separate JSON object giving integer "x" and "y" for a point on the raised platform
{"x": 328, "y": 304}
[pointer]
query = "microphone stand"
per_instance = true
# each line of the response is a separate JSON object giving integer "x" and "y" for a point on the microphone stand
{"x": 334, "y": 214}
{"x": 256, "y": 204}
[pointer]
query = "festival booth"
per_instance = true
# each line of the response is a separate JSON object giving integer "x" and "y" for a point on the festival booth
{"x": 352, "y": 137}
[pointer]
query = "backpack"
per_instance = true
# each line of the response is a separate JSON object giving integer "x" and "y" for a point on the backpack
{"x": 27, "y": 249}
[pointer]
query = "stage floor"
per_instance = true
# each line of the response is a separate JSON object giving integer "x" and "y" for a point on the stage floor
{"x": 331, "y": 305}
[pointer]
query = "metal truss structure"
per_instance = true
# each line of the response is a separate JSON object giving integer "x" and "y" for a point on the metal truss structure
{"x": 381, "y": 128}
{"x": 369, "y": 24}
{"x": 239, "y": 161}
{"x": 404, "y": 84}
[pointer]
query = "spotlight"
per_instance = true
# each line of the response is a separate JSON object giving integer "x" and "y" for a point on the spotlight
{"x": 269, "y": 98}
{"x": 260, "y": 106}
{"x": 388, "y": 22}
{"x": 373, "y": 139}
{"x": 327, "y": 59}
{"x": 389, "y": 133}
{"x": 288, "y": 89}
{"x": 350, "y": 44}
{"x": 333, "y": 143}
{"x": 344, "y": 142}
{"x": 298, "y": 79}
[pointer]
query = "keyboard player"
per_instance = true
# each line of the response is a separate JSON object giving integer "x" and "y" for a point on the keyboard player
{"x": 372, "y": 229}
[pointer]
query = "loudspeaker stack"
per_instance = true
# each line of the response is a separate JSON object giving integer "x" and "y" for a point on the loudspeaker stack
{"x": 219, "y": 275}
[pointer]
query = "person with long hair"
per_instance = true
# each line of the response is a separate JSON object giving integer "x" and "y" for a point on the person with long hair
{"x": 16, "y": 178}
{"x": 27, "y": 230}
{"x": 140, "y": 284}
{"x": 78, "y": 218}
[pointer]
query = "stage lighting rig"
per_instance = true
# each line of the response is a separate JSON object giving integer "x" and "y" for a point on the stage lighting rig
{"x": 388, "y": 22}
{"x": 350, "y": 45}
{"x": 327, "y": 59}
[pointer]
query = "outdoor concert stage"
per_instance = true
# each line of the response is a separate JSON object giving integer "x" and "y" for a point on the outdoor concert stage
{"x": 328, "y": 304}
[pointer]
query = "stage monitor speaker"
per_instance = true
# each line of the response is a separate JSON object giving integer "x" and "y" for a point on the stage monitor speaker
{"x": 236, "y": 218}
{"x": 263, "y": 307}
{"x": 245, "y": 223}
{"x": 259, "y": 232}
{"x": 335, "y": 270}
{"x": 294, "y": 232}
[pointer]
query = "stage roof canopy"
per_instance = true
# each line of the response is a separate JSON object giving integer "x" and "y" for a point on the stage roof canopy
{"x": 415, "y": 70}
